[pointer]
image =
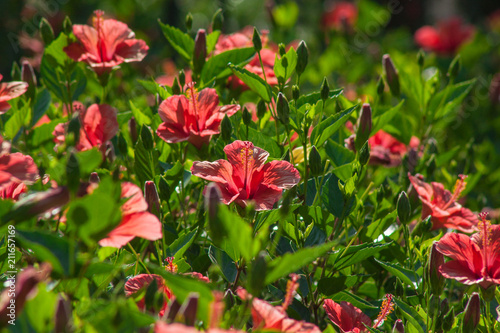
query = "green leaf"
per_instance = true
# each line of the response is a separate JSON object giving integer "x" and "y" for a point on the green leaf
{"x": 140, "y": 117}
{"x": 291, "y": 262}
{"x": 146, "y": 162}
{"x": 353, "y": 299}
{"x": 448, "y": 99}
{"x": 329, "y": 126}
{"x": 381, "y": 120}
{"x": 313, "y": 98}
{"x": 180, "y": 41}
{"x": 254, "y": 82}
{"x": 17, "y": 121}
{"x": 216, "y": 66}
{"x": 42, "y": 104}
{"x": 344, "y": 258}
{"x": 338, "y": 154}
{"x": 286, "y": 15}
{"x": 262, "y": 141}
{"x": 279, "y": 70}
{"x": 405, "y": 275}
{"x": 333, "y": 199}
{"x": 181, "y": 244}
{"x": 88, "y": 161}
{"x": 331, "y": 285}
{"x": 212, "y": 40}
{"x": 224, "y": 261}
{"x": 412, "y": 316}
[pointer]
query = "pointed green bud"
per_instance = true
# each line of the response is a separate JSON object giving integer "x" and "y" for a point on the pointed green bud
{"x": 420, "y": 58}
{"x": 182, "y": 78}
{"x": 74, "y": 128}
{"x": 73, "y": 173}
{"x": 281, "y": 49}
{"x": 287, "y": 200}
{"x": 472, "y": 313}
{"x": 380, "y": 194}
{"x": 132, "y": 127}
{"x": 176, "y": 89}
{"x": 398, "y": 327}
{"x": 46, "y": 31}
{"x": 431, "y": 165}
{"x": 433, "y": 306}
{"x": 325, "y": 90}
{"x": 283, "y": 109}
{"x": 28, "y": 76}
{"x": 164, "y": 189}
{"x": 364, "y": 126}
{"x": 391, "y": 75}
{"x": 380, "y": 87}
{"x": 448, "y": 321}
{"x": 295, "y": 92}
{"x": 404, "y": 208}
{"x": 246, "y": 117}
{"x": 189, "y": 21}
{"x": 257, "y": 42}
{"x": 436, "y": 280}
{"x": 315, "y": 164}
{"x": 217, "y": 20}
{"x": 445, "y": 307}
{"x": 152, "y": 198}
{"x": 226, "y": 129}
{"x": 454, "y": 68}
{"x": 302, "y": 57}
{"x": 15, "y": 72}
{"x": 200, "y": 50}
{"x": 261, "y": 109}
{"x": 67, "y": 25}
{"x": 364, "y": 154}
{"x": 147, "y": 138}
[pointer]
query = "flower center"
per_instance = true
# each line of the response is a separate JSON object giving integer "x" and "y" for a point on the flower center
{"x": 291, "y": 287}
{"x": 246, "y": 155}
{"x": 485, "y": 236}
{"x": 385, "y": 310}
{"x": 171, "y": 267}
{"x": 458, "y": 188}
{"x": 192, "y": 95}
{"x": 97, "y": 23}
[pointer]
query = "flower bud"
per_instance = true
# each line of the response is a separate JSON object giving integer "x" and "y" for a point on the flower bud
{"x": 380, "y": 194}
{"x": 226, "y": 129}
{"x": 109, "y": 151}
{"x": 495, "y": 89}
{"x": 315, "y": 164}
{"x": 38, "y": 203}
{"x": 302, "y": 58}
{"x": 364, "y": 154}
{"x": 436, "y": 280}
{"x": 212, "y": 201}
{"x": 257, "y": 42}
{"x": 62, "y": 317}
{"x": 444, "y": 308}
{"x": 217, "y": 20}
{"x": 176, "y": 88}
{"x": 182, "y": 79}
{"x": 164, "y": 189}
{"x": 46, "y": 31}
{"x": 454, "y": 68}
{"x": 403, "y": 208}
{"x": 122, "y": 145}
{"x": 295, "y": 92}
{"x": 380, "y": 87}
{"x": 189, "y": 309}
{"x": 67, "y": 25}
{"x": 147, "y": 138}
{"x": 152, "y": 198}
{"x": 398, "y": 327}
{"x": 132, "y": 126}
{"x": 420, "y": 58}
{"x": 73, "y": 173}
{"x": 94, "y": 178}
{"x": 281, "y": 49}
{"x": 433, "y": 305}
{"x": 472, "y": 314}
{"x": 74, "y": 128}
{"x": 325, "y": 90}
{"x": 391, "y": 74}
{"x": 15, "y": 72}
{"x": 200, "y": 50}
{"x": 246, "y": 117}
{"x": 28, "y": 74}
{"x": 261, "y": 109}
{"x": 189, "y": 21}
{"x": 364, "y": 126}
{"x": 283, "y": 109}
{"x": 448, "y": 320}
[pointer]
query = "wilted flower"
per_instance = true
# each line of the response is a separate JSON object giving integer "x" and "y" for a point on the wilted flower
{"x": 194, "y": 118}
{"x": 474, "y": 260}
{"x": 446, "y": 38}
{"x": 442, "y": 205}
{"x": 136, "y": 220}
{"x": 245, "y": 176}
{"x": 106, "y": 44}
{"x": 10, "y": 90}
{"x": 340, "y": 16}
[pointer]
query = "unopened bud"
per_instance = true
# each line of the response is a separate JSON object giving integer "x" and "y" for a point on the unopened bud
{"x": 445, "y": 307}
{"x": 391, "y": 74}
{"x": 200, "y": 50}
{"x": 472, "y": 314}
{"x": 67, "y": 25}
{"x": 261, "y": 109}
{"x": 152, "y": 198}
{"x": 147, "y": 138}
{"x": 454, "y": 68}
{"x": 109, "y": 151}
{"x": 182, "y": 78}
{"x": 495, "y": 89}
{"x": 176, "y": 88}
{"x": 433, "y": 305}
{"x": 38, "y": 203}
{"x": 15, "y": 72}
{"x": 132, "y": 126}
{"x": 420, "y": 58}
{"x": 283, "y": 109}
{"x": 403, "y": 208}
{"x": 398, "y": 327}
{"x": 257, "y": 42}
{"x": 94, "y": 178}
{"x": 364, "y": 154}
{"x": 226, "y": 129}
{"x": 212, "y": 201}
{"x": 189, "y": 309}
{"x": 62, "y": 316}
{"x": 448, "y": 320}
{"x": 380, "y": 194}
{"x": 189, "y": 21}
{"x": 217, "y": 20}
{"x": 281, "y": 49}
{"x": 246, "y": 117}
{"x": 295, "y": 92}
{"x": 46, "y": 31}
{"x": 28, "y": 74}
{"x": 73, "y": 173}
{"x": 315, "y": 164}
{"x": 364, "y": 126}
{"x": 302, "y": 58}
{"x": 325, "y": 90}
{"x": 436, "y": 280}
{"x": 164, "y": 189}
{"x": 380, "y": 87}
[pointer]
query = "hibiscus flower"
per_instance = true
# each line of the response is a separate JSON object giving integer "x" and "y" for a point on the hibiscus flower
{"x": 245, "y": 177}
{"x": 442, "y": 205}
{"x": 474, "y": 260}
{"x": 141, "y": 282}
{"x": 194, "y": 118}
{"x": 106, "y": 44}
{"x": 342, "y": 15}
{"x": 10, "y": 90}
{"x": 446, "y": 38}
{"x": 136, "y": 220}
{"x": 162, "y": 327}
{"x": 15, "y": 170}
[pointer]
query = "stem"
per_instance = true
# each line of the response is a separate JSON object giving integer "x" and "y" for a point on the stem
{"x": 138, "y": 260}
{"x": 489, "y": 326}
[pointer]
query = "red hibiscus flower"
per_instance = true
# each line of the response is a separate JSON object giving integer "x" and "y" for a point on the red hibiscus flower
{"x": 13, "y": 190}
{"x": 162, "y": 327}
{"x": 474, "y": 260}
{"x": 268, "y": 317}
{"x": 194, "y": 118}
{"x": 10, "y": 90}
{"x": 142, "y": 281}
{"x": 254, "y": 66}
{"x": 239, "y": 39}
{"x": 15, "y": 169}
{"x": 342, "y": 15}
{"x": 245, "y": 176}
{"x": 105, "y": 45}
{"x": 446, "y": 38}
{"x": 441, "y": 204}
{"x": 136, "y": 220}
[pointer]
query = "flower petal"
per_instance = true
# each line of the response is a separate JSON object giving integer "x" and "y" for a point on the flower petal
{"x": 461, "y": 248}
{"x": 135, "y": 202}
{"x": 460, "y": 271}
{"x": 132, "y": 50}
{"x": 246, "y": 159}
{"x": 220, "y": 171}
{"x": 423, "y": 189}
{"x": 113, "y": 34}
{"x": 280, "y": 175}
{"x": 88, "y": 36}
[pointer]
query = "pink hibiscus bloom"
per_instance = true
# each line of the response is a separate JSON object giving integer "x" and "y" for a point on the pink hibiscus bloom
{"x": 474, "y": 260}
{"x": 136, "y": 220}
{"x": 442, "y": 205}
{"x": 342, "y": 15}
{"x": 13, "y": 190}
{"x": 142, "y": 281}
{"x": 240, "y": 39}
{"x": 446, "y": 38}
{"x": 346, "y": 316}
{"x": 387, "y": 150}
{"x": 10, "y": 90}
{"x": 254, "y": 66}
{"x": 105, "y": 45}
{"x": 194, "y": 118}
{"x": 245, "y": 177}
{"x": 15, "y": 169}
{"x": 162, "y": 327}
